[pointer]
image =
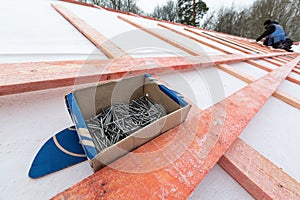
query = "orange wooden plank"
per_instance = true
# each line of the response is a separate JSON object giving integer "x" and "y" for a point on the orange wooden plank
{"x": 100, "y": 41}
{"x": 45, "y": 75}
{"x": 109, "y": 50}
{"x": 193, "y": 38}
{"x": 260, "y": 66}
{"x": 284, "y": 97}
{"x": 285, "y": 58}
{"x": 287, "y": 99}
{"x": 296, "y": 70}
{"x": 212, "y": 46}
{"x": 169, "y": 41}
{"x": 246, "y": 42}
{"x": 236, "y": 73}
{"x": 260, "y": 177}
{"x": 248, "y": 45}
{"x": 239, "y": 43}
{"x": 279, "y": 63}
{"x": 293, "y": 101}
{"x": 265, "y": 49}
{"x": 268, "y": 69}
{"x": 246, "y": 49}
{"x": 225, "y": 51}
{"x": 220, "y": 41}
{"x": 217, "y": 129}
{"x": 124, "y": 12}
{"x": 250, "y": 62}
{"x": 233, "y": 44}
{"x": 274, "y": 62}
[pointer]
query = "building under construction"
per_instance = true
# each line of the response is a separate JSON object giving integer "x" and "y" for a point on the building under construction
{"x": 239, "y": 139}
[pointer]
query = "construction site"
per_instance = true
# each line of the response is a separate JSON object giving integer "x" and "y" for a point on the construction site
{"x": 185, "y": 113}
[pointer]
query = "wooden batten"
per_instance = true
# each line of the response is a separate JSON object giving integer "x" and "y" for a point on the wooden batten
{"x": 100, "y": 41}
{"x": 180, "y": 174}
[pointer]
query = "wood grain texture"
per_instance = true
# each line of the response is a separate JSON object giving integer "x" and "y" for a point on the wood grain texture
{"x": 34, "y": 76}
{"x": 151, "y": 32}
{"x": 100, "y": 41}
{"x": 178, "y": 179}
{"x": 260, "y": 177}
{"x": 293, "y": 101}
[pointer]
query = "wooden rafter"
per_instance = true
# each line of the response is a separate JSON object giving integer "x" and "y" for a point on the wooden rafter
{"x": 32, "y": 76}
{"x": 255, "y": 49}
{"x": 246, "y": 44}
{"x": 248, "y": 79}
{"x": 260, "y": 177}
{"x": 225, "y": 51}
{"x": 151, "y": 32}
{"x": 268, "y": 69}
{"x": 288, "y": 99}
{"x": 232, "y": 46}
{"x": 100, "y": 41}
{"x": 119, "y": 75}
{"x": 240, "y": 47}
{"x": 177, "y": 180}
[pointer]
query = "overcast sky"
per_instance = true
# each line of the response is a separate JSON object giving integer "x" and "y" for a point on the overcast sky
{"x": 148, "y": 5}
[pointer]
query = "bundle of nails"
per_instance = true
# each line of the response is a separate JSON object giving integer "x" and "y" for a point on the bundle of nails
{"x": 120, "y": 120}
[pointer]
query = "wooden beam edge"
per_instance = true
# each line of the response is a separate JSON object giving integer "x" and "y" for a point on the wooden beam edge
{"x": 268, "y": 69}
{"x": 259, "y": 176}
{"x": 225, "y": 43}
{"x": 32, "y": 75}
{"x": 293, "y": 101}
{"x": 236, "y": 42}
{"x": 193, "y": 38}
{"x": 229, "y": 44}
{"x": 187, "y": 164}
{"x": 100, "y": 41}
{"x": 169, "y": 41}
{"x": 289, "y": 78}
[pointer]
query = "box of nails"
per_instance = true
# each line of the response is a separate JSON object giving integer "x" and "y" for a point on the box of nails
{"x": 116, "y": 117}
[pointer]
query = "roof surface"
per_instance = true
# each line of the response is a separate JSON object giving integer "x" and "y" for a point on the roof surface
{"x": 41, "y": 34}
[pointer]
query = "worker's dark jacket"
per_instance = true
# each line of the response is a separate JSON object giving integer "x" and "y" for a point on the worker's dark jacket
{"x": 275, "y": 34}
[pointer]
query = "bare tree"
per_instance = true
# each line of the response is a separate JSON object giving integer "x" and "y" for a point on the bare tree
{"x": 166, "y": 12}
{"x": 249, "y": 21}
{"x": 123, "y": 5}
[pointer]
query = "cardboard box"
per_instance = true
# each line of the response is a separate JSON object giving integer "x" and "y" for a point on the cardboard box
{"x": 88, "y": 102}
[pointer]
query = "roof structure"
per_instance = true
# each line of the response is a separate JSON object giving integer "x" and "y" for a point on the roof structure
{"x": 244, "y": 119}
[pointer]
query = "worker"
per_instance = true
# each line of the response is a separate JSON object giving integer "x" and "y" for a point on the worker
{"x": 275, "y": 36}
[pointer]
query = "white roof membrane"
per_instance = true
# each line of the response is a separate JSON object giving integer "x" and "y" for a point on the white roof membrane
{"x": 124, "y": 35}
{"x": 249, "y": 70}
{"x": 274, "y": 133}
{"x": 28, "y": 120}
{"x": 204, "y": 87}
{"x": 265, "y": 63}
{"x": 290, "y": 88}
{"x": 31, "y": 34}
{"x": 295, "y": 75}
{"x": 34, "y": 31}
{"x": 217, "y": 184}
